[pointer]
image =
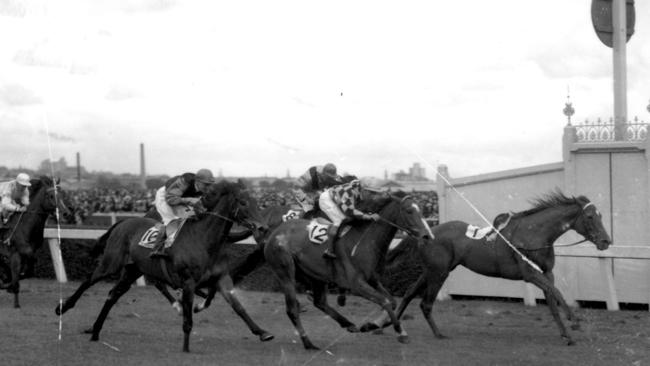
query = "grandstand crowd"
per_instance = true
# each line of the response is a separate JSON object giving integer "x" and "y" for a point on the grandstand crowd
{"x": 86, "y": 202}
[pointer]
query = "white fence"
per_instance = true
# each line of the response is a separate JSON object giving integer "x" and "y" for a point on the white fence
{"x": 528, "y": 291}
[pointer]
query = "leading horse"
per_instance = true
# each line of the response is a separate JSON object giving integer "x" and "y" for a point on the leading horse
{"x": 23, "y": 233}
{"x": 292, "y": 256}
{"x": 531, "y": 232}
{"x": 196, "y": 256}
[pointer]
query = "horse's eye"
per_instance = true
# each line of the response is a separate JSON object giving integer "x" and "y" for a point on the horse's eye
{"x": 409, "y": 211}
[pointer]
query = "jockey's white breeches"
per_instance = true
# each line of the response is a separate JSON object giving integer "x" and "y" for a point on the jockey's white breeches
{"x": 330, "y": 208}
{"x": 167, "y": 212}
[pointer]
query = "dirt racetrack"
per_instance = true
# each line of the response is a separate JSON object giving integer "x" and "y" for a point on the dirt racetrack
{"x": 143, "y": 330}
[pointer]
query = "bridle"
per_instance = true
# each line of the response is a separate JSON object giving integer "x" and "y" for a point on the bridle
{"x": 234, "y": 221}
{"x": 399, "y": 227}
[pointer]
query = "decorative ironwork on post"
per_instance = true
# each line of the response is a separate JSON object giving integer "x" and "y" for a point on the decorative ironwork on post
{"x": 568, "y": 110}
{"x": 600, "y": 131}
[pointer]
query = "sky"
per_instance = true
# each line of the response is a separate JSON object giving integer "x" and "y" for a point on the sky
{"x": 254, "y": 88}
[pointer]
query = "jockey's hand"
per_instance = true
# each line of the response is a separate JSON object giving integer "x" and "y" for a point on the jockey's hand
{"x": 198, "y": 207}
{"x": 21, "y": 209}
{"x": 374, "y": 217}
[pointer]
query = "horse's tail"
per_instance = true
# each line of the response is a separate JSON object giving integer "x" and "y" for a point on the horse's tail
{"x": 100, "y": 244}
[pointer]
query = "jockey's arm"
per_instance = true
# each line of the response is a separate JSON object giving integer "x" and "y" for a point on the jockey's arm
{"x": 24, "y": 200}
{"x": 174, "y": 194}
{"x": 8, "y": 204}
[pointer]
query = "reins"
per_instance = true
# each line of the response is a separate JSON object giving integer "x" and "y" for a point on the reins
{"x": 8, "y": 240}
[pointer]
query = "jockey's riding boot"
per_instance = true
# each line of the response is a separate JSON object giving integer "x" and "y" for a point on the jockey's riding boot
{"x": 329, "y": 252}
{"x": 159, "y": 246}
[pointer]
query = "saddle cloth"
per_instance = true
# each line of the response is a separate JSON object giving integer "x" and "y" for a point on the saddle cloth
{"x": 151, "y": 235}
{"x": 477, "y": 233}
{"x": 318, "y": 230}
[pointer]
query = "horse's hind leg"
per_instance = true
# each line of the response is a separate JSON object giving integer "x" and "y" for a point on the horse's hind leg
{"x": 285, "y": 270}
{"x": 129, "y": 276}
{"x": 320, "y": 301}
{"x": 226, "y": 288}
{"x": 97, "y": 275}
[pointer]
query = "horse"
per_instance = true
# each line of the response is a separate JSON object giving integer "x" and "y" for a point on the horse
{"x": 23, "y": 233}
{"x": 271, "y": 216}
{"x": 532, "y": 232}
{"x": 292, "y": 256}
{"x": 196, "y": 256}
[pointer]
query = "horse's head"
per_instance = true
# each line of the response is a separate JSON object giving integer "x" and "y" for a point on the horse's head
{"x": 406, "y": 215}
{"x": 233, "y": 201}
{"x": 46, "y": 196}
{"x": 589, "y": 224}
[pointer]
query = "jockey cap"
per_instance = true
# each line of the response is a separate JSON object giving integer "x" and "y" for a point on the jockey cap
{"x": 23, "y": 179}
{"x": 329, "y": 169}
{"x": 204, "y": 176}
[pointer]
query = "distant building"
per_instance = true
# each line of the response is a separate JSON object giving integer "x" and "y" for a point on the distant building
{"x": 416, "y": 173}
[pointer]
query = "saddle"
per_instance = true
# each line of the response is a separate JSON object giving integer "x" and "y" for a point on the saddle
{"x": 489, "y": 232}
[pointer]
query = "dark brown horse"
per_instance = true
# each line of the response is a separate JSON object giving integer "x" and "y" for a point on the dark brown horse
{"x": 196, "y": 256}
{"x": 531, "y": 232}
{"x": 272, "y": 217}
{"x": 23, "y": 233}
{"x": 292, "y": 256}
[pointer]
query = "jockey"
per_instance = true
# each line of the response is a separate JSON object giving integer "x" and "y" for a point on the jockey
{"x": 313, "y": 182}
{"x": 176, "y": 199}
{"x": 340, "y": 203}
{"x": 15, "y": 196}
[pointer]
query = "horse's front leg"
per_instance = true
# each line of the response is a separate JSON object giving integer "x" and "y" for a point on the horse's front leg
{"x": 226, "y": 287}
{"x": 15, "y": 263}
{"x": 320, "y": 301}
{"x": 569, "y": 312}
{"x": 553, "y": 296}
{"x": 212, "y": 290}
{"x": 187, "y": 300}
{"x": 362, "y": 288}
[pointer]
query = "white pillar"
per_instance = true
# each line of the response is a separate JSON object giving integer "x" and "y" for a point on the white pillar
{"x": 619, "y": 40}
{"x": 57, "y": 260}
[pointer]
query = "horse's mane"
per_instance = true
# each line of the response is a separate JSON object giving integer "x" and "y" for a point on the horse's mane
{"x": 376, "y": 204}
{"x": 549, "y": 200}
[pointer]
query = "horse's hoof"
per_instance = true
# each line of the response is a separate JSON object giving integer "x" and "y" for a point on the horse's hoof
{"x": 403, "y": 339}
{"x": 88, "y": 331}
{"x": 378, "y": 331}
{"x": 571, "y": 342}
{"x": 266, "y": 337}
{"x": 94, "y": 338}
{"x": 368, "y": 327}
{"x": 441, "y": 336}
{"x": 311, "y": 347}
{"x": 57, "y": 311}
{"x": 575, "y": 326}
{"x": 352, "y": 329}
